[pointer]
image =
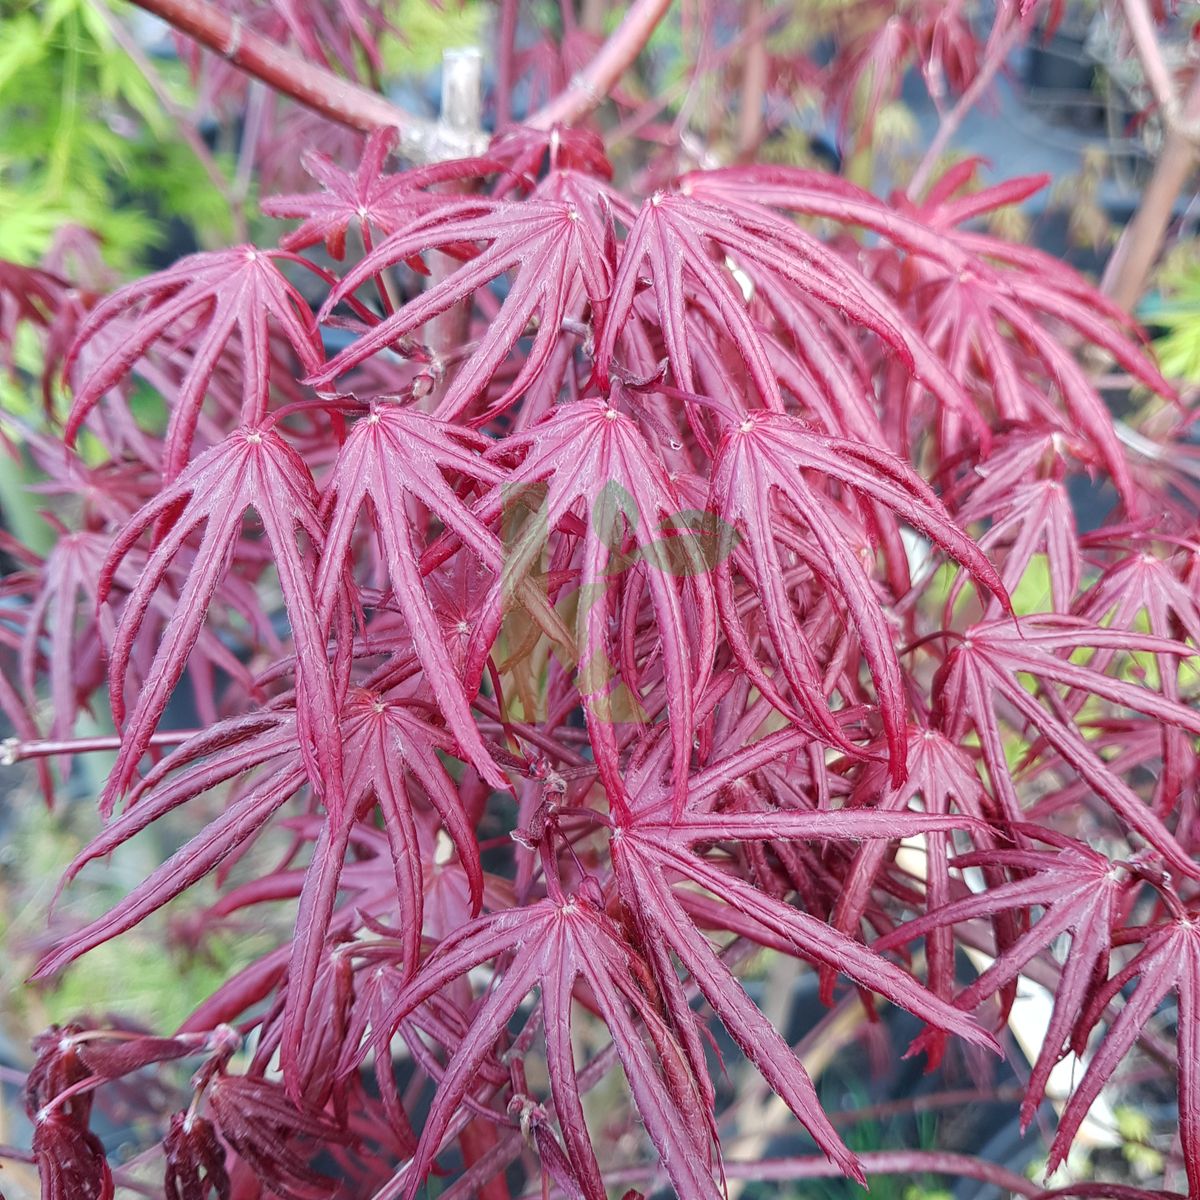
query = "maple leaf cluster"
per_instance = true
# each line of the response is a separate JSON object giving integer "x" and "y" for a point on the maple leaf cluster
{"x": 731, "y": 547}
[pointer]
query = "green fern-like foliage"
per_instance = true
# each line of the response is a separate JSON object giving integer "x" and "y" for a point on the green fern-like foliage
{"x": 429, "y": 30}
{"x": 1175, "y": 309}
{"x": 85, "y": 140}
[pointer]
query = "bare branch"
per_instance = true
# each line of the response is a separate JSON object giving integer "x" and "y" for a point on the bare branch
{"x": 1150, "y": 55}
{"x": 589, "y": 88}
{"x": 319, "y": 89}
{"x": 754, "y": 89}
{"x": 14, "y": 750}
{"x": 1000, "y": 44}
{"x": 1136, "y": 253}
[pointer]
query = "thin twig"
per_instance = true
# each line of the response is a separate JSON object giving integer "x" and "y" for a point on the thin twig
{"x": 754, "y": 89}
{"x": 14, "y": 750}
{"x": 998, "y": 52}
{"x": 506, "y": 38}
{"x": 874, "y": 1162}
{"x": 319, "y": 89}
{"x": 1136, "y": 253}
{"x": 590, "y": 87}
{"x": 1149, "y": 51}
{"x": 351, "y": 104}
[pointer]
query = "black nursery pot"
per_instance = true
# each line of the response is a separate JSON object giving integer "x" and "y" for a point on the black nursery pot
{"x": 1059, "y": 64}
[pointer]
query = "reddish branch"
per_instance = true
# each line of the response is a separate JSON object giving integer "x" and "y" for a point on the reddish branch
{"x": 320, "y": 89}
{"x": 1000, "y": 45}
{"x": 1144, "y": 35}
{"x": 878, "y": 1162}
{"x": 14, "y": 750}
{"x": 351, "y": 104}
{"x": 589, "y": 88}
{"x": 506, "y": 61}
{"x": 911, "y": 1162}
{"x": 1131, "y": 263}
{"x": 754, "y": 89}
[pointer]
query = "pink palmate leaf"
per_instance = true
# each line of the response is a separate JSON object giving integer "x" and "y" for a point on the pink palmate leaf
{"x": 378, "y": 737}
{"x": 203, "y": 308}
{"x": 594, "y": 467}
{"x": 396, "y": 458}
{"x": 696, "y": 293}
{"x": 949, "y": 52}
{"x": 30, "y": 296}
{"x": 980, "y": 303}
{"x": 388, "y": 751}
{"x": 1081, "y": 893}
{"x": 556, "y": 267}
{"x": 242, "y": 819}
{"x": 254, "y": 469}
{"x": 943, "y": 778}
{"x": 981, "y": 672}
{"x": 67, "y": 622}
{"x": 1141, "y": 587}
{"x": 1031, "y": 522}
{"x": 368, "y": 198}
{"x": 1169, "y": 961}
{"x": 550, "y": 946}
{"x": 660, "y": 852}
{"x": 770, "y": 457}
{"x": 648, "y": 857}
{"x": 118, "y": 1053}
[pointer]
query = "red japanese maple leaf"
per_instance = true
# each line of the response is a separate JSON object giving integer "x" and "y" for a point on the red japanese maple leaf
{"x": 770, "y": 457}
{"x": 557, "y": 265}
{"x": 253, "y": 469}
{"x": 983, "y": 666}
{"x": 205, "y": 306}
{"x": 396, "y": 457}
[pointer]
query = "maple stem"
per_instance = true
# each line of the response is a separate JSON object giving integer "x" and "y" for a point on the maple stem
{"x": 754, "y": 88}
{"x": 591, "y": 18}
{"x": 1133, "y": 259}
{"x": 874, "y": 1162}
{"x": 589, "y": 88}
{"x": 887, "y": 1162}
{"x": 350, "y": 104}
{"x": 316, "y": 87}
{"x": 1140, "y": 23}
{"x": 13, "y": 750}
{"x": 950, "y": 124}
{"x": 506, "y": 38}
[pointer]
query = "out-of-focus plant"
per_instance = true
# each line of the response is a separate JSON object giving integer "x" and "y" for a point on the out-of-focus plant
{"x": 85, "y": 140}
{"x": 1175, "y": 309}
